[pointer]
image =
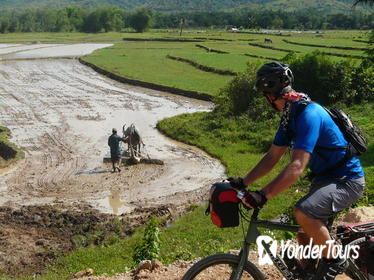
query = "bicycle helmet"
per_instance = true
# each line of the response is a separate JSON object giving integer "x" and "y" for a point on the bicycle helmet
{"x": 273, "y": 77}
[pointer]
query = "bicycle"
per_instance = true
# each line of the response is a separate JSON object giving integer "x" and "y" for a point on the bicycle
{"x": 238, "y": 267}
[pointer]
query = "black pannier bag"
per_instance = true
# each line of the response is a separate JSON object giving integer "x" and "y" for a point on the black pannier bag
{"x": 223, "y": 205}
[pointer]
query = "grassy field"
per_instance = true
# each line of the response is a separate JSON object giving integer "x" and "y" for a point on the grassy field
{"x": 146, "y": 61}
{"x": 138, "y": 59}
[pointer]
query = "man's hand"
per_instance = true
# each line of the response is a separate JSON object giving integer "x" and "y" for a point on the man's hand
{"x": 237, "y": 183}
{"x": 255, "y": 199}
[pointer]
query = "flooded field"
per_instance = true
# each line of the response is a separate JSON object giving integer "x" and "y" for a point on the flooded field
{"x": 61, "y": 113}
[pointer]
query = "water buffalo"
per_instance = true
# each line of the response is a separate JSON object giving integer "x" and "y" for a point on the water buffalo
{"x": 133, "y": 139}
{"x": 268, "y": 40}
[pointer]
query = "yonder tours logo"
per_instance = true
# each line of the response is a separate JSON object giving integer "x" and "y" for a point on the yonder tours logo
{"x": 308, "y": 251}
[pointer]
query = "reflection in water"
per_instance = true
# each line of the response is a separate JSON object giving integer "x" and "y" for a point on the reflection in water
{"x": 115, "y": 201}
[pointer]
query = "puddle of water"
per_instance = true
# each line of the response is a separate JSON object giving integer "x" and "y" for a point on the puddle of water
{"x": 114, "y": 203}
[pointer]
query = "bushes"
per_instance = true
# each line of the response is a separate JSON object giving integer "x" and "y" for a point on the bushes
{"x": 141, "y": 20}
{"x": 240, "y": 97}
{"x": 325, "y": 80}
{"x": 328, "y": 82}
{"x": 363, "y": 81}
{"x": 149, "y": 248}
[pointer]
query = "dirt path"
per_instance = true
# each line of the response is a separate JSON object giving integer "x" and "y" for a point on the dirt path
{"x": 61, "y": 113}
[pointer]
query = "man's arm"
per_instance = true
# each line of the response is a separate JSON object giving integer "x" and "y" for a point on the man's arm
{"x": 266, "y": 164}
{"x": 289, "y": 174}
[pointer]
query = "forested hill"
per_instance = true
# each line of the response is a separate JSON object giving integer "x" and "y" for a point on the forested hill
{"x": 326, "y": 6}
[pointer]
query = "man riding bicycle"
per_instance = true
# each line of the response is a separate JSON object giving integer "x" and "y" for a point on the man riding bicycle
{"x": 316, "y": 142}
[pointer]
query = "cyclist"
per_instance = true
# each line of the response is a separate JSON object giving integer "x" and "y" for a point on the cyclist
{"x": 315, "y": 141}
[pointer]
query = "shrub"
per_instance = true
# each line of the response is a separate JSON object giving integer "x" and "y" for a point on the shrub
{"x": 363, "y": 82}
{"x": 141, "y": 20}
{"x": 328, "y": 82}
{"x": 240, "y": 97}
{"x": 321, "y": 78}
{"x": 149, "y": 248}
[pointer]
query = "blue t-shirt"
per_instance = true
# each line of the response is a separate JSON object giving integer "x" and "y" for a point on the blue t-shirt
{"x": 314, "y": 127}
{"x": 113, "y": 142}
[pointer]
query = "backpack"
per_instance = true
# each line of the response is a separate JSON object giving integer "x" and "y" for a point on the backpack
{"x": 357, "y": 143}
{"x": 223, "y": 205}
{"x": 350, "y": 130}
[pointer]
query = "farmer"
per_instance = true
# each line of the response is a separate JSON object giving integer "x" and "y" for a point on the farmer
{"x": 315, "y": 141}
{"x": 115, "y": 152}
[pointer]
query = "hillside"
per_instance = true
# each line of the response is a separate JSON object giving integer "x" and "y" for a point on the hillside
{"x": 328, "y": 6}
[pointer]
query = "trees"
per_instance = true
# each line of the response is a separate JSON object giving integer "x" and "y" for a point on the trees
{"x": 111, "y": 18}
{"x": 370, "y": 2}
{"x": 108, "y": 18}
{"x": 141, "y": 20}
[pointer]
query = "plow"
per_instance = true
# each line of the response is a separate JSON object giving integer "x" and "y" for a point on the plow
{"x": 133, "y": 149}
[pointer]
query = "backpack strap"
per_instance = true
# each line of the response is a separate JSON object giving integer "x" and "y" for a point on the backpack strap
{"x": 349, "y": 149}
{"x": 348, "y": 155}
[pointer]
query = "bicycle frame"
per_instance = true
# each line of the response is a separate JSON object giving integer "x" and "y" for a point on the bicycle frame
{"x": 252, "y": 234}
{"x": 251, "y": 237}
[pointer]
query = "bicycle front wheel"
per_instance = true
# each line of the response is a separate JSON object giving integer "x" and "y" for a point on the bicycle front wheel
{"x": 220, "y": 267}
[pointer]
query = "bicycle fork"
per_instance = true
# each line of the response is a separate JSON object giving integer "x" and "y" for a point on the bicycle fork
{"x": 250, "y": 238}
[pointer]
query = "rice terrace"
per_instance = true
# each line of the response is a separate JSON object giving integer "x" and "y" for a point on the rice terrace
{"x": 64, "y": 215}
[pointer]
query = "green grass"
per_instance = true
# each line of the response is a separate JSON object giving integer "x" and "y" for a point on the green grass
{"x": 137, "y": 60}
{"x": 191, "y": 236}
{"x": 19, "y": 154}
{"x": 330, "y": 42}
{"x": 232, "y": 62}
{"x": 364, "y": 116}
{"x": 105, "y": 259}
{"x": 146, "y": 61}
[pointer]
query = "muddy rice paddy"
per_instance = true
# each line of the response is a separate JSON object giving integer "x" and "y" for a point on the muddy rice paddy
{"x": 61, "y": 113}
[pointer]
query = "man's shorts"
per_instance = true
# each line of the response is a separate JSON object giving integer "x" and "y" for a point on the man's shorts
{"x": 115, "y": 158}
{"x": 328, "y": 197}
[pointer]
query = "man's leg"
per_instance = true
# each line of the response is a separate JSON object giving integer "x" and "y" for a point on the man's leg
{"x": 113, "y": 159}
{"x": 314, "y": 229}
{"x": 302, "y": 239}
{"x": 119, "y": 163}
